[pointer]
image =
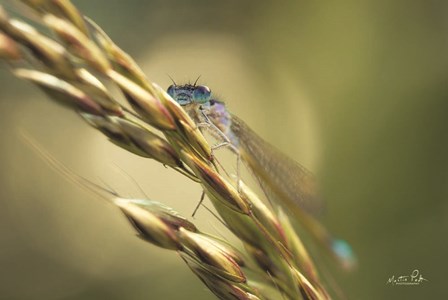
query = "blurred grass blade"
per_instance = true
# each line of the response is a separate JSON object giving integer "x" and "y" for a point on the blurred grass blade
{"x": 61, "y": 91}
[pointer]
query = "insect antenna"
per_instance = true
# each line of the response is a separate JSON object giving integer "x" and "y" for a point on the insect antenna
{"x": 196, "y": 81}
{"x": 171, "y": 78}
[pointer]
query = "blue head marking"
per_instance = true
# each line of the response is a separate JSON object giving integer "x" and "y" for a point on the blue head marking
{"x": 187, "y": 94}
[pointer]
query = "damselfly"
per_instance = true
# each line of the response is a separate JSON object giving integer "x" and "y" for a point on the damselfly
{"x": 283, "y": 180}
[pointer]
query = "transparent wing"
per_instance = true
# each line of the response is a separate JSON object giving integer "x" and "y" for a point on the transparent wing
{"x": 282, "y": 179}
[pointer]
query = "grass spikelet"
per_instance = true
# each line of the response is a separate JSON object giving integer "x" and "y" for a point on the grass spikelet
{"x": 9, "y": 49}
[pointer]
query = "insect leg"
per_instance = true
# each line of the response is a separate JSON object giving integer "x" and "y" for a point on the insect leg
{"x": 238, "y": 159}
{"x": 199, "y": 204}
{"x": 226, "y": 143}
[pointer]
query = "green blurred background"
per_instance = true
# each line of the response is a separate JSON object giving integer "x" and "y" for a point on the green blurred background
{"x": 355, "y": 90}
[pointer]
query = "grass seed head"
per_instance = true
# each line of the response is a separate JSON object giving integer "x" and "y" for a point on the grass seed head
{"x": 219, "y": 286}
{"x": 209, "y": 253}
{"x": 66, "y": 10}
{"x": 145, "y": 104}
{"x": 216, "y": 186}
{"x": 61, "y": 91}
{"x": 150, "y": 143}
{"x": 49, "y": 52}
{"x": 123, "y": 62}
{"x": 168, "y": 215}
{"x": 91, "y": 85}
{"x": 269, "y": 238}
{"x": 78, "y": 43}
{"x": 150, "y": 227}
{"x": 265, "y": 215}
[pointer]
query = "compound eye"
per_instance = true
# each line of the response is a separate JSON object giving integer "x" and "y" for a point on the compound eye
{"x": 201, "y": 94}
{"x": 171, "y": 90}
